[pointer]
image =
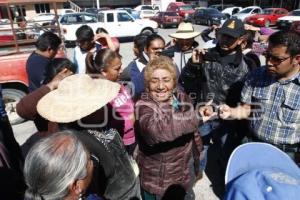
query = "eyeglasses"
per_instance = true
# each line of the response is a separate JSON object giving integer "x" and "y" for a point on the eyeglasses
{"x": 274, "y": 59}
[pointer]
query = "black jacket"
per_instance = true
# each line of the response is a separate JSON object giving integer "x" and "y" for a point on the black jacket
{"x": 113, "y": 174}
{"x": 212, "y": 80}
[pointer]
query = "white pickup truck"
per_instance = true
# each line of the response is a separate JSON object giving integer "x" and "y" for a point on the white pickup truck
{"x": 118, "y": 23}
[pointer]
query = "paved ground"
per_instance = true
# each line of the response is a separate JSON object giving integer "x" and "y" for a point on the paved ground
{"x": 202, "y": 188}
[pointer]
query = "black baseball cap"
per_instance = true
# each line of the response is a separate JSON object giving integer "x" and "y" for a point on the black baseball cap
{"x": 233, "y": 27}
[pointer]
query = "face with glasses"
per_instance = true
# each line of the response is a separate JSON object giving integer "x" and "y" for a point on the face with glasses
{"x": 280, "y": 63}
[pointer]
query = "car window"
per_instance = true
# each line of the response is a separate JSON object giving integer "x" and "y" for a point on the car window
{"x": 73, "y": 19}
{"x": 124, "y": 17}
{"x": 247, "y": 10}
{"x": 295, "y": 13}
{"x": 90, "y": 18}
{"x": 200, "y": 12}
{"x": 110, "y": 17}
{"x": 147, "y": 8}
{"x": 212, "y": 11}
{"x": 100, "y": 17}
{"x": 64, "y": 20}
{"x": 185, "y": 7}
{"x": 269, "y": 11}
{"x": 256, "y": 11}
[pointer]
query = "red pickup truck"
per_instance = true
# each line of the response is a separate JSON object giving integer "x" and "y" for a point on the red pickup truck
{"x": 13, "y": 57}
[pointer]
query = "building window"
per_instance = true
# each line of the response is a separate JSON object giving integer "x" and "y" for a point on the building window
{"x": 42, "y": 8}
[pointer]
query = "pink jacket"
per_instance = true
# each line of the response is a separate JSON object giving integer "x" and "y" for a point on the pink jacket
{"x": 123, "y": 116}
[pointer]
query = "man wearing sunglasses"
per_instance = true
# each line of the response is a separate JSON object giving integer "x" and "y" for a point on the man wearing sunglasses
{"x": 271, "y": 96}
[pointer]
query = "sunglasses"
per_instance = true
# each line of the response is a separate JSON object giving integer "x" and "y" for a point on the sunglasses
{"x": 274, "y": 59}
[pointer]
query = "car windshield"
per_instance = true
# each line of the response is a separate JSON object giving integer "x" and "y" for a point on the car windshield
{"x": 185, "y": 7}
{"x": 247, "y": 10}
{"x": 171, "y": 14}
{"x": 295, "y": 13}
{"x": 212, "y": 11}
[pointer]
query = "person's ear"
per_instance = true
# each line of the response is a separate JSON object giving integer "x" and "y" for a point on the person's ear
{"x": 296, "y": 60}
{"x": 75, "y": 189}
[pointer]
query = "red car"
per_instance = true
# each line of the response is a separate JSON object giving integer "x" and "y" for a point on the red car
{"x": 269, "y": 17}
{"x": 182, "y": 9}
{"x": 165, "y": 19}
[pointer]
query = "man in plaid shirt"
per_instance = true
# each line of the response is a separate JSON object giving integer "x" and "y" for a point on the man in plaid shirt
{"x": 271, "y": 96}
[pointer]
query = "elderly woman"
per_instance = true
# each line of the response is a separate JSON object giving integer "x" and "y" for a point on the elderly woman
{"x": 169, "y": 145}
{"x": 57, "y": 167}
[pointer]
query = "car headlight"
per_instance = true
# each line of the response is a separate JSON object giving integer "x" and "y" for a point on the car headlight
{"x": 261, "y": 19}
{"x": 186, "y": 14}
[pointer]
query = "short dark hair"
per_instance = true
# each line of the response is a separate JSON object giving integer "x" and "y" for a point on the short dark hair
{"x": 101, "y": 30}
{"x": 84, "y": 33}
{"x": 288, "y": 38}
{"x": 153, "y": 37}
{"x": 139, "y": 41}
{"x": 48, "y": 40}
{"x": 57, "y": 65}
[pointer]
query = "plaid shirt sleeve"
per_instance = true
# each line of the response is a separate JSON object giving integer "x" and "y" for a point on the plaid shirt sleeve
{"x": 247, "y": 90}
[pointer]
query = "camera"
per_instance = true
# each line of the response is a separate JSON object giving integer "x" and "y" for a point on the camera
{"x": 211, "y": 56}
{"x": 167, "y": 52}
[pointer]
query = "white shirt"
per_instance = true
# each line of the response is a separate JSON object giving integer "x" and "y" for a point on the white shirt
{"x": 79, "y": 60}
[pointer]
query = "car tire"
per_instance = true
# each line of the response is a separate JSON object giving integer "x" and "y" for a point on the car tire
{"x": 11, "y": 97}
{"x": 147, "y": 31}
{"x": 267, "y": 23}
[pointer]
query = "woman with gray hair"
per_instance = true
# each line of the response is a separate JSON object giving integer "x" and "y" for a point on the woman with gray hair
{"x": 57, "y": 168}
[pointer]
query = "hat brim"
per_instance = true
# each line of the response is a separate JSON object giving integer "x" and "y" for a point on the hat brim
{"x": 61, "y": 108}
{"x": 256, "y": 155}
{"x": 184, "y": 35}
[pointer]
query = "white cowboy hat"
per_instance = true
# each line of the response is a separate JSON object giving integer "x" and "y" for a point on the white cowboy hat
{"x": 185, "y": 31}
{"x": 77, "y": 96}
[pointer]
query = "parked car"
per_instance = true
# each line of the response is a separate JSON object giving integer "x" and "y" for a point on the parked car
{"x": 286, "y": 21}
{"x": 182, "y": 9}
{"x": 267, "y": 18}
{"x": 118, "y": 23}
{"x": 296, "y": 26}
{"x": 165, "y": 19}
{"x": 135, "y": 14}
{"x": 43, "y": 18}
{"x": 208, "y": 16}
{"x": 231, "y": 11}
{"x": 221, "y": 7}
{"x": 146, "y": 13}
{"x": 248, "y": 12}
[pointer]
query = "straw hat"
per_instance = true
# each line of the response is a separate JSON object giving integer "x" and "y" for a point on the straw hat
{"x": 77, "y": 96}
{"x": 185, "y": 31}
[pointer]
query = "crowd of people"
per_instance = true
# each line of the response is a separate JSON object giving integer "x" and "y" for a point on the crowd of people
{"x": 148, "y": 131}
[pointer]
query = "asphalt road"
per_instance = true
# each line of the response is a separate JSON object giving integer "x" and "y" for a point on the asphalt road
{"x": 202, "y": 188}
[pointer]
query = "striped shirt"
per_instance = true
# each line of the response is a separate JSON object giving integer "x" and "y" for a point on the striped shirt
{"x": 275, "y": 106}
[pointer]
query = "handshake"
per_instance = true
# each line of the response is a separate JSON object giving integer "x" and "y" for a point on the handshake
{"x": 210, "y": 112}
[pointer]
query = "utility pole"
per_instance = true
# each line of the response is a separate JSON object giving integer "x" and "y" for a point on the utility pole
{"x": 98, "y": 4}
